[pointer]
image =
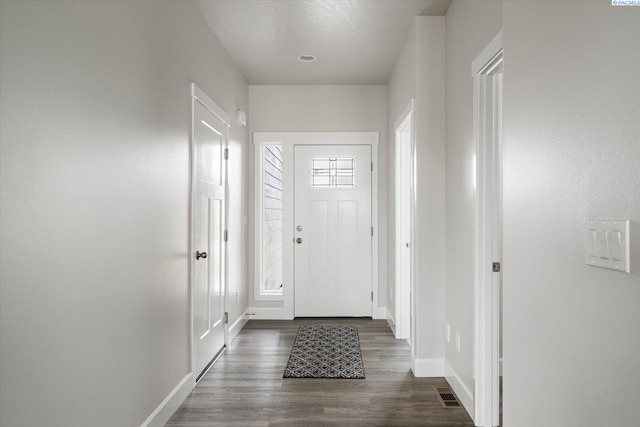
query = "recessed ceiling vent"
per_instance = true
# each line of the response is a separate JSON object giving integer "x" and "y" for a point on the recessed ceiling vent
{"x": 446, "y": 397}
{"x": 306, "y": 58}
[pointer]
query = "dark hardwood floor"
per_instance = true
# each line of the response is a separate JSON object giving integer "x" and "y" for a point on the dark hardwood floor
{"x": 245, "y": 386}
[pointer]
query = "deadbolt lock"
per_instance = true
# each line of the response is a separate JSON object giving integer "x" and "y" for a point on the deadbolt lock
{"x": 299, "y": 228}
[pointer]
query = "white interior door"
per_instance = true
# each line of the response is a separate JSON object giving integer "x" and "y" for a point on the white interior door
{"x": 209, "y": 135}
{"x": 333, "y": 231}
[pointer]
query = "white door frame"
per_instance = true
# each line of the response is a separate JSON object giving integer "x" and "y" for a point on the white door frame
{"x": 288, "y": 140}
{"x": 487, "y": 83}
{"x": 197, "y": 95}
{"x": 403, "y": 314}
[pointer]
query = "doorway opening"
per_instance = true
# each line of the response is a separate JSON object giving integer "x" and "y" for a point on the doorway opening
{"x": 487, "y": 71}
{"x": 209, "y": 329}
{"x": 405, "y": 202}
{"x": 331, "y": 170}
{"x": 333, "y": 230}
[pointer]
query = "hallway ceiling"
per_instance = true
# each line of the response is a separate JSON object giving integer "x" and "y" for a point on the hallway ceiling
{"x": 355, "y": 41}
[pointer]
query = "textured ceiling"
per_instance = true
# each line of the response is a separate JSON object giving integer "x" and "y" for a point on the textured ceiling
{"x": 355, "y": 41}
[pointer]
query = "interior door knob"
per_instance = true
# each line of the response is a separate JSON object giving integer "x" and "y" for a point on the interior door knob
{"x": 200, "y": 254}
{"x": 299, "y": 240}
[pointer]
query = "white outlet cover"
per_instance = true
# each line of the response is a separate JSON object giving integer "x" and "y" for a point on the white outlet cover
{"x": 607, "y": 244}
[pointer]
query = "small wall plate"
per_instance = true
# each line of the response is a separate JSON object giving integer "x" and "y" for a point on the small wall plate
{"x": 607, "y": 244}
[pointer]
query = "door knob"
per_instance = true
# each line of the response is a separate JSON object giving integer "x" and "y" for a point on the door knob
{"x": 200, "y": 254}
{"x": 299, "y": 240}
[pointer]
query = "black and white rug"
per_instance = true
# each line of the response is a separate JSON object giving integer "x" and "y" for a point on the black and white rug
{"x": 322, "y": 351}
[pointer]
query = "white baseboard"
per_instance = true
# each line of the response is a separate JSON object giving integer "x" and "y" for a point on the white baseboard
{"x": 392, "y": 322}
{"x": 237, "y": 326}
{"x": 427, "y": 367}
{"x": 267, "y": 313}
{"x": 459, "y": 388}
{"x": 379, "y": 313}
{"x": 165, "y": 410}
{"x": 276, "y": 313}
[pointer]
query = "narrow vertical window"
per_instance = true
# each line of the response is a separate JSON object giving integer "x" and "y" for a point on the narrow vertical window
{"x": 272, "y": 220}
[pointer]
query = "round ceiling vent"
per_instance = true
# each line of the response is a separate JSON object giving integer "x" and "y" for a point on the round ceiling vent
{"x": 306, "y": 58}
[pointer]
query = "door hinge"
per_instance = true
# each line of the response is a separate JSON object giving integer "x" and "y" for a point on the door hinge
{"x": 226, "y": 236}
{"x": 226, "y": 317}
{"x": 226, "y": 154}
{"x": 371, "y": 295}
{"x": 371, "y": 166}
{"x": 495, "y": 267}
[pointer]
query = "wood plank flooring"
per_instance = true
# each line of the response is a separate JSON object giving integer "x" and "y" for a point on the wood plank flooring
{"x": 245, "y": 386}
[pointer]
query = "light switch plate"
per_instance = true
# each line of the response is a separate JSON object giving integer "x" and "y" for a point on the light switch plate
{"x": 607, "y": 244}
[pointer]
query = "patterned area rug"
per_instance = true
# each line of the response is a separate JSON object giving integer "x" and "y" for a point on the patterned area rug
{"x": 325, "y": 352}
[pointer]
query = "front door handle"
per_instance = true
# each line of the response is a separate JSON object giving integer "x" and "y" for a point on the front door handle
{"x": 200, "y": 254}
{"x": 299, "y": 240}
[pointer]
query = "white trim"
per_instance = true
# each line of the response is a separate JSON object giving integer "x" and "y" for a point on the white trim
{"x": 317, "y": 138}
{"x": 171, "y": 403}
{"x": 402, "y": 298}
{"x": 391, "y": 322}
{"x": 427, "y": 367}
{"x": 379, "y": 313}
{"x": 288, "y": 141}
{"x": 390, "y": 319}
{"x": 485, "y": 57}
{"x": 403, "y": 116}
{"x": 486, "y": 89}
{"x": 210, "y": 104}
{"x": 269, "y": 313}
{"x": 237, "y": 326}
{"x": 459, "y": 388}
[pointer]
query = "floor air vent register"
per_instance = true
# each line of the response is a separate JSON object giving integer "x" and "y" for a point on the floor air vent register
{"x": 446, "y": 397}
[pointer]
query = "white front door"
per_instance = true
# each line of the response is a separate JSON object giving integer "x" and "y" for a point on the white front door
{"x": 333, "y": 230}
{"x": 209, "y": 135}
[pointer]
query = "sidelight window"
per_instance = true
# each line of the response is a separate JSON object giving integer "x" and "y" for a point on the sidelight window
{"x": 271, "y": 212}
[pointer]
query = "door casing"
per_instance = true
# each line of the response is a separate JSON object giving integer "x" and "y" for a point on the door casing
{"x": 198, "y": 96}
{"x": 333, "y": 255}
{"x": 487, "y": 82}
{"x": 405, "y": 214}
{"x": 288, "y": 140}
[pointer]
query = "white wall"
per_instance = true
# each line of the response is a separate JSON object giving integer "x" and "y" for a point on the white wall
{"x": 325, "y": 109}
{"x": 430, "y": 189}
{"x": 419, "y": 73}
{"x": 95, "y": 204}
{"x": 572, "y": 152}
{"x": 471, "y": 25}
